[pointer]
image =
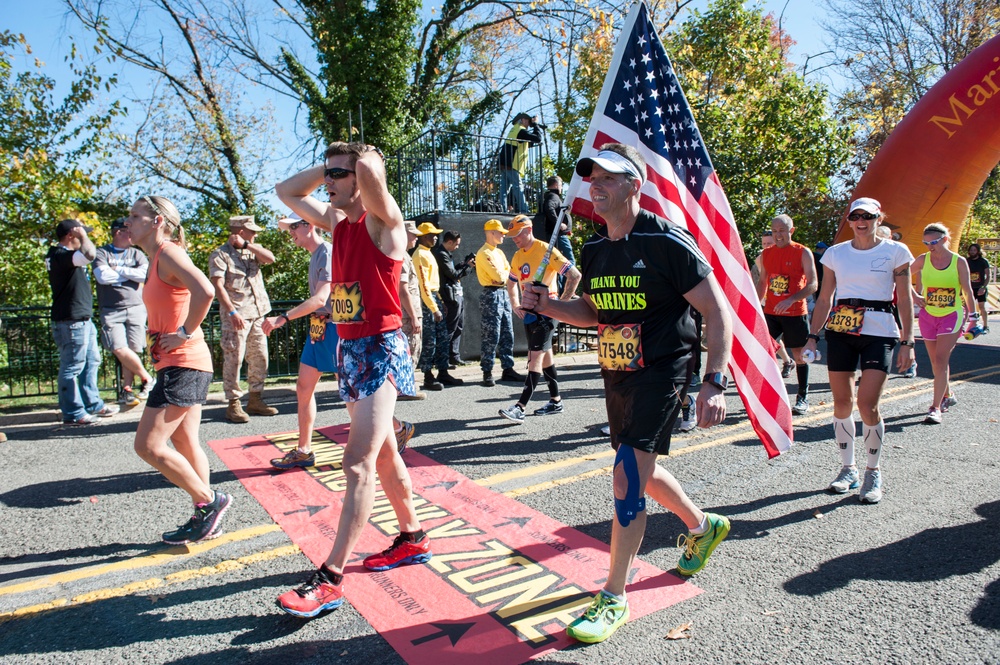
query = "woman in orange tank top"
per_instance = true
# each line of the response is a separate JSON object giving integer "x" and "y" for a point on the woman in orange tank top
{"x": 177, "y": 296}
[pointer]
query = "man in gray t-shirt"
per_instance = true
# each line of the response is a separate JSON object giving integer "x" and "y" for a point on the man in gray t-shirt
{"x": 120, "y": 270}
{"x": 319, "y": 354}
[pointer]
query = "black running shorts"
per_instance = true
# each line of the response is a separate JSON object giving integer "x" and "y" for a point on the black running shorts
{"x": 539, "y": 333}
{"x": 642, "y": 408}
{"x": 794, "y": 330}
{"x": 844, "y": 352}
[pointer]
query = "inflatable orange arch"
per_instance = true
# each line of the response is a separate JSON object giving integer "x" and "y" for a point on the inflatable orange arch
{"x": 936, "y": 160}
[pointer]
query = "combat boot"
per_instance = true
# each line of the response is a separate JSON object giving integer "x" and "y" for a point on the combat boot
{"x": 235, "y": 412}
{"x": 257, "y": 407}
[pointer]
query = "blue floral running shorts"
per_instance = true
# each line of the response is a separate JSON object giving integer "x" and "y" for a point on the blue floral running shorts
{"x": 364, "y": 364}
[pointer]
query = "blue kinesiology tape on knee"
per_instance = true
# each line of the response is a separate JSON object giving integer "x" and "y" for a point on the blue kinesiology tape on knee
{"x": 626, "y": 509}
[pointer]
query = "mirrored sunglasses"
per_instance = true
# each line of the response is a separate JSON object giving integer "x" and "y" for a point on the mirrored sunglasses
{"x": 931, "y": 243}
{"x": 336, "y": 173}
{"x": 855, "y": 216}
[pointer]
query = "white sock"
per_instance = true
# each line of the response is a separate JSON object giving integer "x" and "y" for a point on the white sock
{"x": 702, "y": 527}
{"x": 873, "y": 442}
{"x": 844, "y": 431}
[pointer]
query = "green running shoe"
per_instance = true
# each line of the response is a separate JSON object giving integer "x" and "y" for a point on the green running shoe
{"x": 604, "y": 616}
{"x": 697, "y": 549}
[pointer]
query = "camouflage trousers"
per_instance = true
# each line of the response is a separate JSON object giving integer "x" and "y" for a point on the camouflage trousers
{"x": 436, "y": 340}
{"x": 497, "y": 328}
{"x": 250, "y": 343}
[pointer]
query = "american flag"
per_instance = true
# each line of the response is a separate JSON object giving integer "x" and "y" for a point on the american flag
{"x": 642, "y": 105}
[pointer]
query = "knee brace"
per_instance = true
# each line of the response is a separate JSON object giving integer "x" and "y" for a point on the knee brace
{"x": 626, "y": 509}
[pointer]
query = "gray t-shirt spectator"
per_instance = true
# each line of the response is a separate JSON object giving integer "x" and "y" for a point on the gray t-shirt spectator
{"x": 321, "y": 270}
{"x": 118, "y": 273}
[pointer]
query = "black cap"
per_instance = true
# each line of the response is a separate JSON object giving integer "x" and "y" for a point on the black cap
{"x": 67, "y": 225}
{"x": 118, "y": 224}
{"x": 521, "y": 116}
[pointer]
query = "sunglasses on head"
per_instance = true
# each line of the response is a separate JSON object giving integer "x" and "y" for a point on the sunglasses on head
{"x": 931, "y": 243}
{"x": 855, "y": 216}
{"x": 336, "y": 173}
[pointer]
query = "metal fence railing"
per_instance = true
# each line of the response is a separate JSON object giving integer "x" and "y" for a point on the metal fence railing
{"x": 29, "y": 359}
{"x": 449, "y": 172}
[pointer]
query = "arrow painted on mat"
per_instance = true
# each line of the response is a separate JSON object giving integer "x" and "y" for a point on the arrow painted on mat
{"x": 312, "y": 510}
{"x": 520, "y": 521}
{"x": 447, "y": 484}
{"x": 453, "y": 631}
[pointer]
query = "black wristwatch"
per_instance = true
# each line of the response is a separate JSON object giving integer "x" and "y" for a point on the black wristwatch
{"x": 813, "y": 337}
{"x": 906, "y": 342}
{"x": 717, "y": 379}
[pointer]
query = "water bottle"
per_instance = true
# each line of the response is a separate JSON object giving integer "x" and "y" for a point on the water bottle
{"x": 974, "y": 332}
{"x": 810, "y": 357}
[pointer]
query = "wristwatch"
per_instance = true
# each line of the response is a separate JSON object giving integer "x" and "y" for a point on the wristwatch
{"x": 717, "y": 379}
{"x": 906, "y": 342}
{"x": 183, "y": 333}
{"x": 813, "y": 337}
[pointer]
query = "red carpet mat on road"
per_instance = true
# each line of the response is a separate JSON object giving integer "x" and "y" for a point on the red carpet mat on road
{"x": 504, "y": 580}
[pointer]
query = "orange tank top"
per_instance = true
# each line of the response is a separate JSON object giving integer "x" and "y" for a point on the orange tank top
{"x": 785, "y": 277}
{"x": 167, "y": 308}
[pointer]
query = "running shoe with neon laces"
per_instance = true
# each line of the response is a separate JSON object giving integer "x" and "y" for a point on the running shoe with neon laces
{"x": 294, "y": 458}
{"x": 402, "y": 552}
{"x": 202, "y": 524}
{"x": 847, "y": 479}
{"x": 605, "y": 615}
{"x": 550, "y": 408}
{"x": 515, "y": 413}
{"x": 316, "y": 595}
{"x": 147, "y": 386}
{"x": 697, "y": 548}
{"x": 404, "y": 435}
{"x": 933, "y": 417}
{"x": 128, "y": 398}
{"x": 871, "y": 489}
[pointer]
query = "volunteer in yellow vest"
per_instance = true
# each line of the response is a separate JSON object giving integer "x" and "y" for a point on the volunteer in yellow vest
{"x": 513, "y": 161}
{"x": 942, "y": 277}
{"x": 787, "y": 278}
{"x": 497, "y": 333}
{"x": 538, "y": 328}
{"x": 436, "y": 340}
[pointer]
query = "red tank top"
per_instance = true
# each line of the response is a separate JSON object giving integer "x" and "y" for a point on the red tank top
{"x": 166, "y": 309}
{"x": 785, "y": 277}
{"x": 364, "y": 293}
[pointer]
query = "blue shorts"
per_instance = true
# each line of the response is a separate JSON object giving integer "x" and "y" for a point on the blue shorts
{"x": 364, "y": 364}
{"x": 321, "y": 355}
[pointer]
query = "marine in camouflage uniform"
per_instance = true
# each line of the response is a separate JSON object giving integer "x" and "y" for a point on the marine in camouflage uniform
{"x": 234, "y": 269}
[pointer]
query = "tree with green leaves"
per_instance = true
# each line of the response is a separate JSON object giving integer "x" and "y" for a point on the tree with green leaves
{"x": 45, "y": 148}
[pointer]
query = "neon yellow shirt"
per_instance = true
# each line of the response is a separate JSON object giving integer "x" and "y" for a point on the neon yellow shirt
{"x": 492, "y": 267}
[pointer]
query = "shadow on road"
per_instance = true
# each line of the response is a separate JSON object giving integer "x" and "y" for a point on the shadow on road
{"x": 61, "y": 560}
{"x": 932, "y": 554}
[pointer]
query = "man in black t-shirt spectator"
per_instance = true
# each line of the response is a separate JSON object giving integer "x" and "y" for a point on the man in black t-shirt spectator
{"x": 452, "y": 294}
{"x": 641, "y": 275}
{"x": 979, "y": 273}
{"x": 545, "y": 222}
{"x": 72, "y": 327}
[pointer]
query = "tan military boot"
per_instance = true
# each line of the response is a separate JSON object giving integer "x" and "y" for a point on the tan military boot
{"x": 257, "y": 407}
{"x": 235, "y": 412}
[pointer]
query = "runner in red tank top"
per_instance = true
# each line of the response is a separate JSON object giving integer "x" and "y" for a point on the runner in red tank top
{"x": 369, "y": 242}
{"x": 787, "y": 278}
{"x": 177, "y": 296}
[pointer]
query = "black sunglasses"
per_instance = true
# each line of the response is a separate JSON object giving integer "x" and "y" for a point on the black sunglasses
{"x": 855, "y": 216}
{"x": 336, "y": 173}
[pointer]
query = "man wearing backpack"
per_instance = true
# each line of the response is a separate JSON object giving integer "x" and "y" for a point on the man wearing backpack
{"x": 513, "y": 160}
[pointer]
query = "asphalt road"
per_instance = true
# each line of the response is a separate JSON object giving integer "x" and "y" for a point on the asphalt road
{"x": 805, "y": 576}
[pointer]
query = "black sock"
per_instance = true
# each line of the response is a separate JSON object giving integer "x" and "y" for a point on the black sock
{"x": 331, "y": 577}
{"x": 802, "y": 372}
{"x": 530, "y": 384}
{"x": 412, "y": 536}
{"x": 553, "y": 380}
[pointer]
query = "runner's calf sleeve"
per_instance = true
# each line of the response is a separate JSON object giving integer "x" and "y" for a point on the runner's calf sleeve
{"x": 530, "y": 384}
{"x": 843, "y": 431}
{"x": 626, "y": 509}
{"x": 802, "y": 372}
{"x": 874, "y": 434}
{"x": 553, "y": 380}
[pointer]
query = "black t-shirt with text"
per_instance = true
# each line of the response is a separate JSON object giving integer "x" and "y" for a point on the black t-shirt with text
{"x": 978, "y": 268}
{"x": 71, "y": 296}
{"x": 642, "y": 279}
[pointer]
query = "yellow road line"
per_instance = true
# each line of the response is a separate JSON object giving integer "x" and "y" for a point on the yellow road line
{"x": 152, "y": 583}
{"x": 147, "y": 561}
{"x": 896, "y": 394}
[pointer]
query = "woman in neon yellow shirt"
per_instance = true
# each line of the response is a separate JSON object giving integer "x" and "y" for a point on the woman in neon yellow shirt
{"x": 942, "y": 278}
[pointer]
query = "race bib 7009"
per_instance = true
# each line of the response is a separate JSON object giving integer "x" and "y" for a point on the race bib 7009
{"x": 346, "y": 303}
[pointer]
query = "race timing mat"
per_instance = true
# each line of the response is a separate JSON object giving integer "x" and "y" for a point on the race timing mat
{"x": 503, "y": 583}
